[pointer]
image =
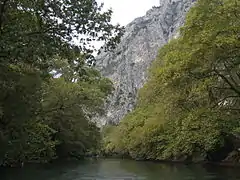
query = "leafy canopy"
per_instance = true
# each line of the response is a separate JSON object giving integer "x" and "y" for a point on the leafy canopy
{"x": 189, "y": 108}
{"x": 48, "y": 91}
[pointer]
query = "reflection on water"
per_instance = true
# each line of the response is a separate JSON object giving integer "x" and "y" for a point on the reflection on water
{"x": 111, "y": 169}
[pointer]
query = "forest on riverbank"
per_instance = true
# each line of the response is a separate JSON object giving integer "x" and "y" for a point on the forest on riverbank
{"x": 189, "y": 110}
{"x": 49, "y": 92}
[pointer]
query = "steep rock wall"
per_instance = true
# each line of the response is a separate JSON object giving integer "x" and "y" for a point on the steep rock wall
{"x": 127, "y": 65}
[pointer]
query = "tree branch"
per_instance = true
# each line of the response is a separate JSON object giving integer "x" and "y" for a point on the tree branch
{"x": 2, "y": 10}
{"x": 225, "y": 98}
{"x": 228, "y": 82}
{"x": 231, "y": 109}
{"x": 228, "y": 70}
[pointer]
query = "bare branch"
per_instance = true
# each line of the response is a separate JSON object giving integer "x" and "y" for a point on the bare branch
{"x": 224, "y": 99}
{"x": 228, "y": 82}
{"x": 233, "y": 80}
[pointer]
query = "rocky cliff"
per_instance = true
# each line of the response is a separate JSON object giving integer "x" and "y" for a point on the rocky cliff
{"x": 127, "y": 65}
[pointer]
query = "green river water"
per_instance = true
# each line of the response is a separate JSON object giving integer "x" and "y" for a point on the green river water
{"x": 112, "y": 169}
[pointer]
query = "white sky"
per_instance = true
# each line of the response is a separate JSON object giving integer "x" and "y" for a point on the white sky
{"x": 124, "y": 11}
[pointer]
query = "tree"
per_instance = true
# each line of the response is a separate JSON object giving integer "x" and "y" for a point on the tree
{"x": 192, "y": 91}
{"x": 68, "y": 108}
{"x": 36, "y": 46}
{"x": 24, "y": 136}
{"x": 36, "y": 31}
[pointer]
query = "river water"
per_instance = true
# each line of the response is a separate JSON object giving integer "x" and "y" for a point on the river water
{"x": 112, "y": 169}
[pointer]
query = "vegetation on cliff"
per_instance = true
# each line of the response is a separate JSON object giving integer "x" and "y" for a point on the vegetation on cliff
{"x": 190, "y": 107}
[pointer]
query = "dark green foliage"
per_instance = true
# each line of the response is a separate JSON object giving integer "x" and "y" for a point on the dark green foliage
{"x": 41, "y": 116}
{"x": 34, "y": 31}
{"x": 68, "y": 109}
{"x": 25, "y": 137}
{"x": 190, "y": 107}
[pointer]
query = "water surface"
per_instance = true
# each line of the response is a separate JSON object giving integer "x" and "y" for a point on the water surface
{"x": 112, "y": 169}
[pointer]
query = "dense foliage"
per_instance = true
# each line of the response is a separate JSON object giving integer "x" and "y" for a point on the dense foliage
{"x": 48, "y": 92}
{"x": 190, "y": 107}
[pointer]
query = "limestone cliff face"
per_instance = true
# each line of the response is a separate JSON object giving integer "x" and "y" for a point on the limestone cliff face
{"x": 127, "y": 65}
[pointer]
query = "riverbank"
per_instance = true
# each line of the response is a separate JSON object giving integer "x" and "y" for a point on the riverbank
{"x": 125, "y": 157}
{"x": 184, "y": 162}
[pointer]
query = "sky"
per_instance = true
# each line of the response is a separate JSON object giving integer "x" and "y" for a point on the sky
{"x": 125, "y": 11}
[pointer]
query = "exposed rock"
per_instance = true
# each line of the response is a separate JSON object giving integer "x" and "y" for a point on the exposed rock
{"x": 127, "y": 65}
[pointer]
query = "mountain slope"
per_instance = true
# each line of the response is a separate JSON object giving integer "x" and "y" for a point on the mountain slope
{"x": 127, "y": 65}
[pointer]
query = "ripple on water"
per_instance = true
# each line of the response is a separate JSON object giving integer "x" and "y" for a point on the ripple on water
{"x": 112, "y": 169}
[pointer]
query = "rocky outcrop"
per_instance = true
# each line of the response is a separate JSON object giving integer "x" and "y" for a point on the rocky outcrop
{"x": 127, "y": 65}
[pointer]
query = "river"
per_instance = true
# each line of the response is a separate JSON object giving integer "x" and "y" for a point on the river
{"x": 113, "y": 169}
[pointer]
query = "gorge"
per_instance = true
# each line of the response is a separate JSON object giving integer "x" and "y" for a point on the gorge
{"x": 188, "y": 109}
{"x": 128, "y": 64}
